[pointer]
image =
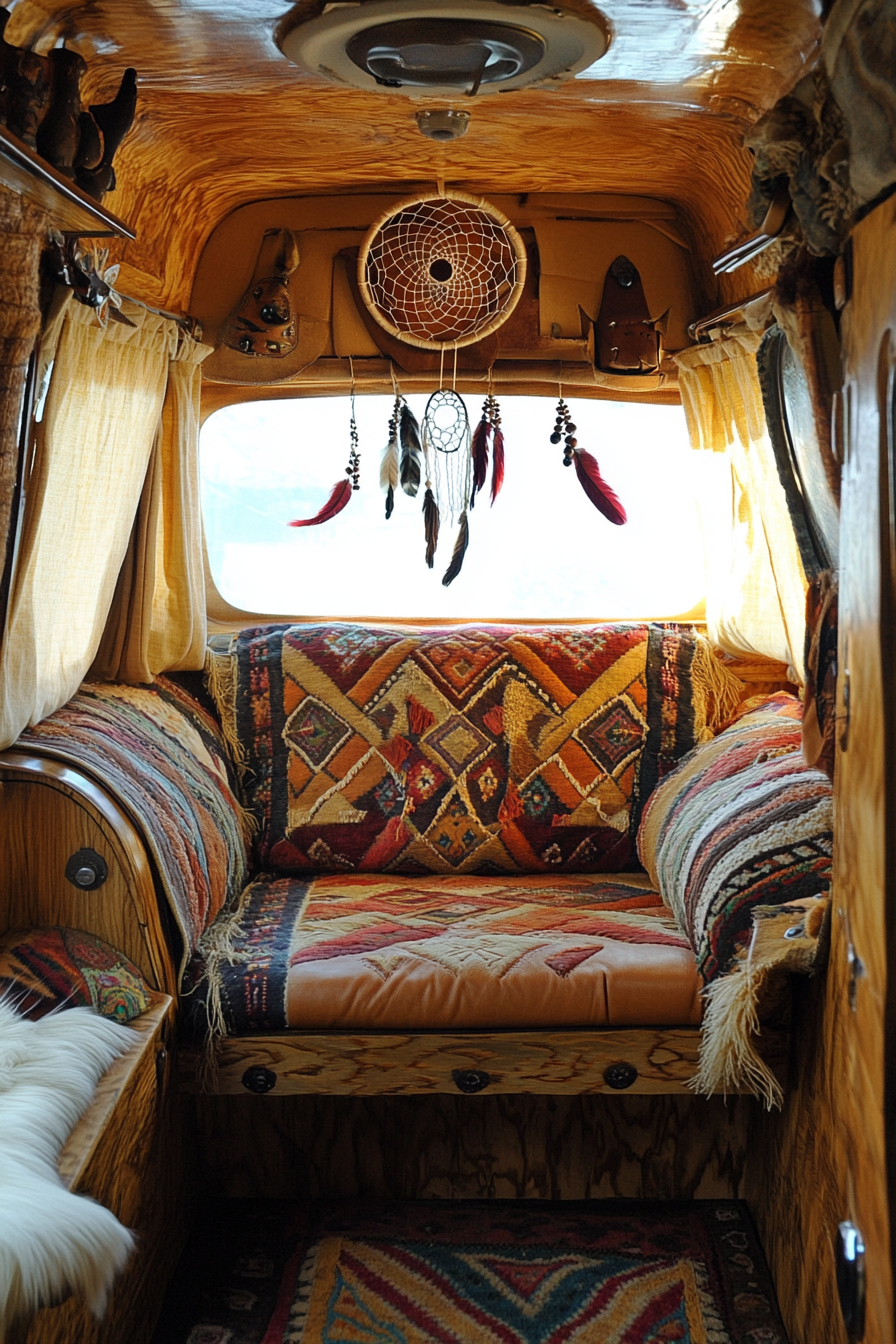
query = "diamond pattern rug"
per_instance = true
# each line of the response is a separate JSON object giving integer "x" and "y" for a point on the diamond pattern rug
{"x": 605, "y": 1272}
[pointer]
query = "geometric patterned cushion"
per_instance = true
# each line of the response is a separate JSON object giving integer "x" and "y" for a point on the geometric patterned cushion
{"x": 474, "y": 749}
{"x": 370, "y": 952}
{"x": 742, "y": 821}
{"x": 43, "y": 969}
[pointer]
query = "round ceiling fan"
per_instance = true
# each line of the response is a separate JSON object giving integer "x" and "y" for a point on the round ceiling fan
{"x": 422, "y": 48}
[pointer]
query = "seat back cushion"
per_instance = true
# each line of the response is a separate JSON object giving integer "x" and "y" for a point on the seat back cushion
{"x": 157, "y": 751}
{"x": 741, "y": 822}
{"x": 476, "y": 749}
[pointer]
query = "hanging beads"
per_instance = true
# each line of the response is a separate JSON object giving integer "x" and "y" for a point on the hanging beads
{"x": 565, "y": 429}
{"x": 353, "y": 470}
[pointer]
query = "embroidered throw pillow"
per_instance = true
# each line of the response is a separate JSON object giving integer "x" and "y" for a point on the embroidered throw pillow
{"x": 43, "y": 969}
{"x": 475, "y": 749}
{"x": 742, "y": 821}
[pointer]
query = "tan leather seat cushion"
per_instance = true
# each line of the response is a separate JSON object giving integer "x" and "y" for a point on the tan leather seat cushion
{"x": 446, "y": 953}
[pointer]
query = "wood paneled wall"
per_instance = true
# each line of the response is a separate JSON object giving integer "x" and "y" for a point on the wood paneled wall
{"x": 479, "y": 1147}
{"x": 825, "y": 1158}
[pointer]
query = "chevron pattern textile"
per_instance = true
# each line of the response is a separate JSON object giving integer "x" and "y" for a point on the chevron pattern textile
{"x": 493, "y": 1272}
{"x": 372, "y": 951}
{"x": 475, "y": 749}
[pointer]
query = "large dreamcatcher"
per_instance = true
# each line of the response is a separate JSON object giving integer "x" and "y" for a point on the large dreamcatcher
{"x": 442, "y": 271}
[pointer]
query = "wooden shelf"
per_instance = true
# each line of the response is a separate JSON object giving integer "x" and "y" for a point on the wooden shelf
{"x": 70, "y": 209}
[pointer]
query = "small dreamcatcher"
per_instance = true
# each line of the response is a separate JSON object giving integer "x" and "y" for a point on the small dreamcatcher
{"x": 342, "y": 491}
{"x": 602, "y": 496}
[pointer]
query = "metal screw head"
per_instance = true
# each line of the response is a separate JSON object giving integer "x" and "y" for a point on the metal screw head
{"x": 259, "y": 1079}
{"x": 470, "y": 1080}
{"x": 620, "y": 1076}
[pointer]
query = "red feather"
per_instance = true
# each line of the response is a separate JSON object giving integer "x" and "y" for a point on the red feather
{"x": 340, "y": 496}
{"x": 480, "y": 457}
{"x": 602, "y": 496}
{"x": 497, "y": 463}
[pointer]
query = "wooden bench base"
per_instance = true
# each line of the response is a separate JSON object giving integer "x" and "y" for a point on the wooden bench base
{"x": 553, "y": 1063}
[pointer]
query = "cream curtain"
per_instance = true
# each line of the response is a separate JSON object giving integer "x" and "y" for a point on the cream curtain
{"x": 757, "y": 598}
{"x": 157, "y": 621}
{"x": 114, "y": 407}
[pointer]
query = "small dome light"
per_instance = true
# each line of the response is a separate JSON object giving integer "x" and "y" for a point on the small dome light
{"x": 445, "y": 125}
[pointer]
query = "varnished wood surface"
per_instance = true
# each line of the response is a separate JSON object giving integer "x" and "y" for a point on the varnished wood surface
{"x": 223, "y": 118}
{"x": 131, "y": 1152}
{"x": 153, "y": 1032}
{"x": 552, "y": 1063}
{"x": 68, "y": 208}
{"x": 48, "y": 811}
{"x": 825, "y": 1158}
{"x": 479, "y": 1147}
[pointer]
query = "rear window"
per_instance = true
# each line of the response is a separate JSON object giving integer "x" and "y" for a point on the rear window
{"x": 542, "y": 551}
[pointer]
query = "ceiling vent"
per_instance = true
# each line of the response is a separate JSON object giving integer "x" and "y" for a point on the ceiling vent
{"x": 445, "y": 48}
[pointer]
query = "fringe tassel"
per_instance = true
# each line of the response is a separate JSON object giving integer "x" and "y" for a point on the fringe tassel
{"x": 717, "y": 692}
{"x": 728, "y": 1059}
{"x": 220, "y": 680}
{"x": 460, "y": 550}
{"x": 431, "y": 521}
{"x": 339, "y": 497}
{"x": 217, "y": 945}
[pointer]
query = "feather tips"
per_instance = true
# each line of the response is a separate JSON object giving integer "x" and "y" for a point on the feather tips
{"x": 602, "y": 496}
{"x": 409, "y": 433}
{"x": 497, "y": 463}
{"x": 389, "y": 471}
{"x": 479, "y": 450}
{"x": 430, "y": 525}
{"x": 460, "y": 550}
{"x": 339, "y": 497}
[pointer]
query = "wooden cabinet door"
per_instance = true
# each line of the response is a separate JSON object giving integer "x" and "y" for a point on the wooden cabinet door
{"x": 865, "y": 785}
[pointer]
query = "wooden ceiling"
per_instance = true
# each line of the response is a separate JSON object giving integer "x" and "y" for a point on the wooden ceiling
{"x": 223, "y": 118}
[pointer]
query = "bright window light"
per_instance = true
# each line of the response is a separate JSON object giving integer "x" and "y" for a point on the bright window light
{"x": 542, "y": 552}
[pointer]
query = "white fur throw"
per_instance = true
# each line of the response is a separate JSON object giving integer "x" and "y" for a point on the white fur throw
{"x": 52, "y": 1242}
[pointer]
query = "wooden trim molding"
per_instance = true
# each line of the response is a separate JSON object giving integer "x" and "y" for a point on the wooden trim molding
{"x": 550, "y": 1062}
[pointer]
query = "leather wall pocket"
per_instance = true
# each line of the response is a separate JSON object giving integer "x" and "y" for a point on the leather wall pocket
{"x": 627, "y": 338}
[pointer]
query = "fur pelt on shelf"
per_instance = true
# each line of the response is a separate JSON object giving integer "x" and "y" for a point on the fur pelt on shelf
{"x": 52, "y": 1242}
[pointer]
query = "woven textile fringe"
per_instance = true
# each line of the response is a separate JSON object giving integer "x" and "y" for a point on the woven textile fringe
{"x": 717, "y": 691}
{"x": 217, "y": 945}
{"x": 220, "y": 676}
{"x": 729, "y": 1061}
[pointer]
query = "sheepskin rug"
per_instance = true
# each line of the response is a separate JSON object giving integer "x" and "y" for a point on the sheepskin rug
{"x": 52, "y": 1242}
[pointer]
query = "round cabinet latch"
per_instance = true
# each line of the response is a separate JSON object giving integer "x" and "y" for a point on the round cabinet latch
{"x": 620, "y": 1076}
{"x": 258, "y": 1079}
{"x": 87, "y": 870}
{"x": 470, "y": 1080}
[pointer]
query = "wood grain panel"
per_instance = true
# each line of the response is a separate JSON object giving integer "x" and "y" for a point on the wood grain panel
{"x": 48, "y": 812}
{"x": 553, "y": 1063}
{"x": 479, "y": 1147}
{"x": 131, "y": 1152}
{"x": 825, "y": 1158}
{"x": 223, "y": 119}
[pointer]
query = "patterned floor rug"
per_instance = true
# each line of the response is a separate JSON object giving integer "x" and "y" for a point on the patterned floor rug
{"x": 606, "y": 1272}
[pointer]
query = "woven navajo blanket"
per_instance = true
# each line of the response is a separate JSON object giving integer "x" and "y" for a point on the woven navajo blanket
{"x": 445, "y": 1272}
{"x": 742, "y": 822}
{"x": 476, "y": 749}
{"x": 160, "y": 753}
{"x": 368, "y": 951}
